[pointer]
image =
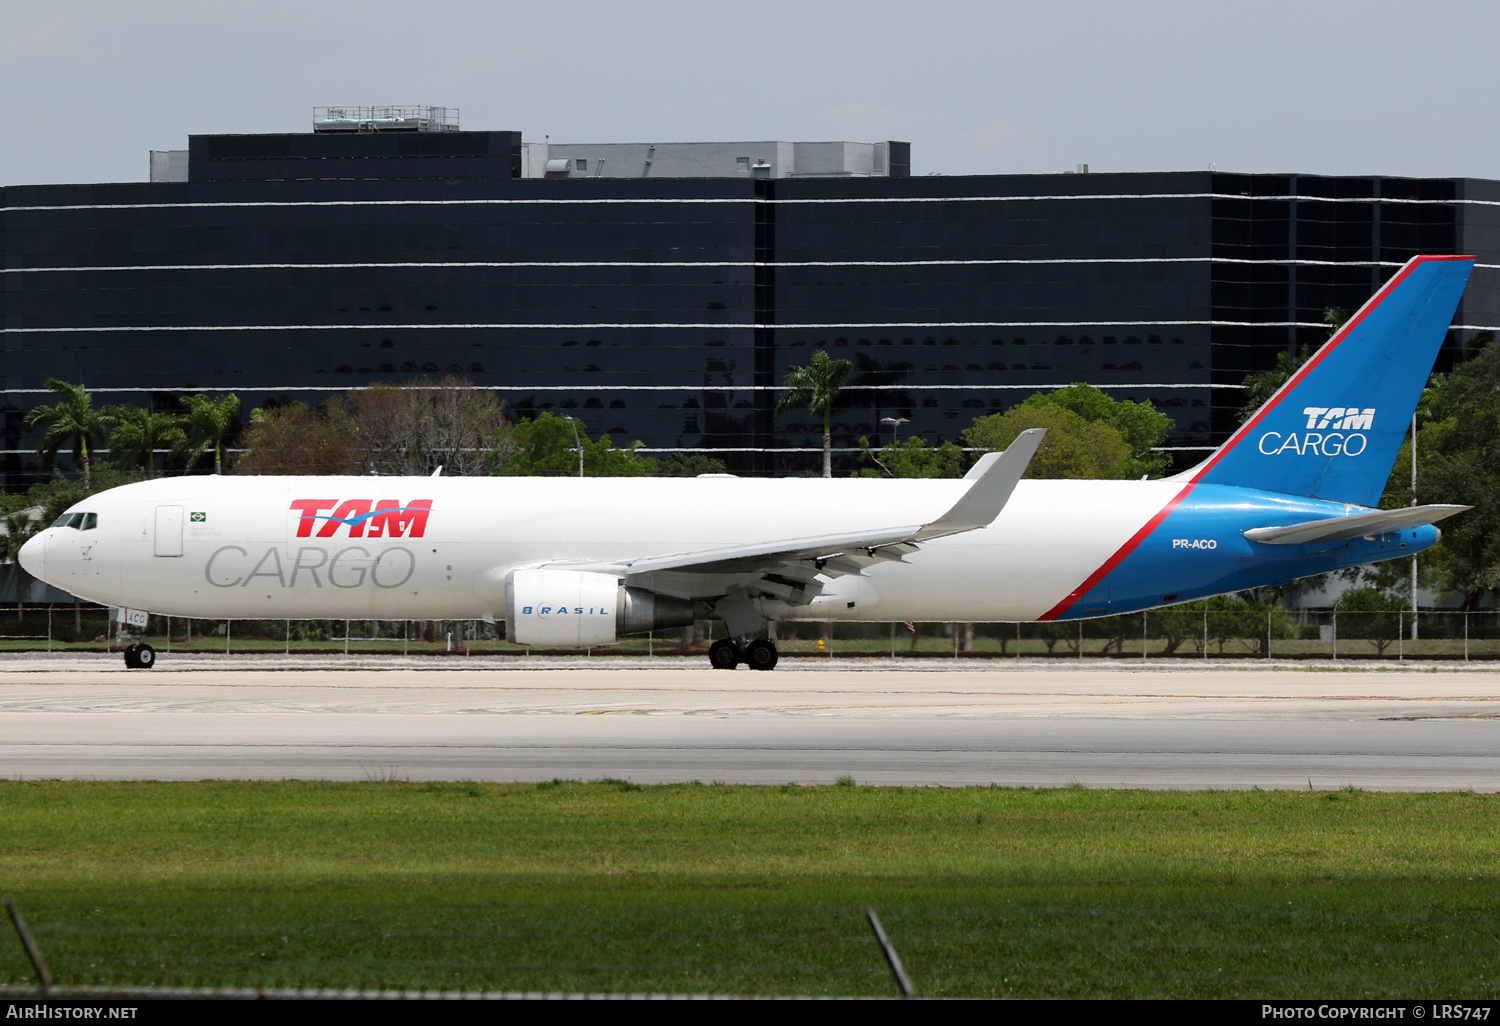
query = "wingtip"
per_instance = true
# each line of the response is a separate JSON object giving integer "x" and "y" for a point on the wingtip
{"x": 1030, "y": 439}
{"x": 989, "y": 491}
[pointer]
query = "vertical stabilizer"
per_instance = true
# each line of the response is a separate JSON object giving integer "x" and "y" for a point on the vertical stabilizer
{"x": 1333, "y": 430}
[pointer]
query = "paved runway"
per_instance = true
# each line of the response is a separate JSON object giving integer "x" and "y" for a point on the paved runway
{"x": 1100, "y": 724}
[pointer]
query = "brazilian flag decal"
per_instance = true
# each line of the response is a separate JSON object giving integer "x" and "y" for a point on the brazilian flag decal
{"x": 198, "y": 518}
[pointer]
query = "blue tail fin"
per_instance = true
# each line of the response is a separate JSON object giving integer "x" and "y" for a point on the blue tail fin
{"x": 1333, "y": 430}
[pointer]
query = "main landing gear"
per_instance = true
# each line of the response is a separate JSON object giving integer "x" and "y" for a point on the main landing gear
{"x": 760, "y": 654}
{"x": 139, "y": 656}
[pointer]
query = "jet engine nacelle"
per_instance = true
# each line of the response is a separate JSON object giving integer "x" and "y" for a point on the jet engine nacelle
{"x": 560, "y": 608}
{"x": 555, "y": 608}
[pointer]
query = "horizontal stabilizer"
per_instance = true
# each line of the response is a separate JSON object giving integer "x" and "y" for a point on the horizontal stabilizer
{"x": 1381, "y": 521}
{"x": 991, "y": 490}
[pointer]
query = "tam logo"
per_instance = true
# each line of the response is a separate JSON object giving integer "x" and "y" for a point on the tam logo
{"x": 365, "y": 518}
{"x": 1339, "y": 418}
{"x": 1331, "y": 431}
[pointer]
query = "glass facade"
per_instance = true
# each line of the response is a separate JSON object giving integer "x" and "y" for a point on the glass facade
{"x": 669, "y": 309}
{"x": 958, "y": 297}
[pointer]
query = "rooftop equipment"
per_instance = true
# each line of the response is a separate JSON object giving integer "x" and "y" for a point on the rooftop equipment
{"x": 385, "y": 119}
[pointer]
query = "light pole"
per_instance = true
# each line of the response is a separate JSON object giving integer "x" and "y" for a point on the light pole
{"x": 1414, "y": 502}
{"x": 894, "y": 422}
{"x": 577, "y": 443}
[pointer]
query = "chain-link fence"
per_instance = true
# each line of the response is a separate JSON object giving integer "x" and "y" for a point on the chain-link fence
{"x": 89, "y": 628}
{"x": 1172, "y": 633}
{"x": 1176, "y": 633}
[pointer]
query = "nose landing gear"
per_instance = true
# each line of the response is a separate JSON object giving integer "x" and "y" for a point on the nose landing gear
{"x": 131, "y": 626}
{"x": 139, "y": 656}
{"x": 761, "y": 654}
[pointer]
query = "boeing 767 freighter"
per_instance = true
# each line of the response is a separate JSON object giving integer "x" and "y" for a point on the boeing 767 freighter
{"x": 579, "y": 562}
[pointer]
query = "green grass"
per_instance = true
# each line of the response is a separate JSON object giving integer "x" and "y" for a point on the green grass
{"x": 692, "y": 888}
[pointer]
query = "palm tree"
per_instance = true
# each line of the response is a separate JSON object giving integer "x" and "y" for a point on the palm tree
{"x": 140, "y": 432}
{"x": 1261, "y": 385}
{"x": 71, "y": 422}
{"x": 207, "y": 422}
{"x": 815, "y": 387}
{"x": 16, "y": 528}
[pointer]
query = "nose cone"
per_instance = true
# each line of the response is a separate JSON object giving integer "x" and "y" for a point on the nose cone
{"x": 31, "y": 557}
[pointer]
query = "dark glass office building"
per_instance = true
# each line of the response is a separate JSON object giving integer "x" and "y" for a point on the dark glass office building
{"x": 667, "y": 309}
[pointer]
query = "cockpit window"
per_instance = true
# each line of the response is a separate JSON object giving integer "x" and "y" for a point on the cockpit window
{"x": 79, "y": 521}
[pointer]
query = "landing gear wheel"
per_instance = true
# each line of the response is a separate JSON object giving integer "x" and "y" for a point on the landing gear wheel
{"x": 724, "y": 654}
{"x": 139, "y": 657}
{"x": 762, "y": 654}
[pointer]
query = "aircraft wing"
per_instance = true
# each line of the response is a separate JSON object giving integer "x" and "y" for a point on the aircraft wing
{"x": 991, "y": 490}
{"x": 838, "y": 554}
{"x": 1356, "y": 526}
{"x": 889, "y": 544}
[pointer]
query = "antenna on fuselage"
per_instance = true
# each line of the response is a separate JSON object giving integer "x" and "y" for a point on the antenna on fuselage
{"x": 439, "y": 471}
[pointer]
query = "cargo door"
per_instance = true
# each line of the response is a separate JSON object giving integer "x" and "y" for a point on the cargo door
{"x": 169, "y": 530}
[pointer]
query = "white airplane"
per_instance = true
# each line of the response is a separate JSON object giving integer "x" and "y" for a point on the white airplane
{"x": 580, "y": 562}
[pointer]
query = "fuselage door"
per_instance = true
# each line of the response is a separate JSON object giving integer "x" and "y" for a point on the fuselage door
{"x": 169, "y": 530}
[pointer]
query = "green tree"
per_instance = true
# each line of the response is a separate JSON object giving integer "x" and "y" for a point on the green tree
{"x": 459, "y": 427}
{"x": 1050, "y": 632}
{"x": 1073, "y": 448}
{"x": 690, "y": 464}
{"x": 204, "y": 427}
{"x": 1394, "y": 575}
{"x": 1458, "y": 461}
{"x": 1177, "y": 624}
{"x": 814, "y": 388}
{"x": 1234, "y": 618}
{"x": 1139, "y": 424}
{"x": 911, "y": 458}
{"x": 60, "y": 491}
{"x": 71, "y": 421}
{"x": 1371, "y": 615}
{"x": 1261, "y": 385}
{"x": 420, "y": 425}
{"x": 20, "y": 519}
{"x": 1116, "y": 631}
{"x": 545, "y": 447}
{"x": 138, "y": 433}
{"x": 388, "y": 418}
{"x": 294, "y": 439}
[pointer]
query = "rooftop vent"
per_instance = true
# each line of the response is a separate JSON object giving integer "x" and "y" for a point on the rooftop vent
{"x": 385, "y": 119}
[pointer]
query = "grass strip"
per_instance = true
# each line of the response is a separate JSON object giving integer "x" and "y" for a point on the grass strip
{"x": 610, "y": 886}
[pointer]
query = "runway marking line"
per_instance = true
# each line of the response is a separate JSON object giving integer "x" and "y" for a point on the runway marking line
{"x": 783, "y": 692}
{"x": 933, "y": 666}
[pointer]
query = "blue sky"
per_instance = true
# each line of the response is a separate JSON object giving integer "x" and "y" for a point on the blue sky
{"x": 978, "y": 88}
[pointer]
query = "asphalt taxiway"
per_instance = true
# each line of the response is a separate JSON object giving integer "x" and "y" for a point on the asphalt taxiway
{"x": 1103, "y": 724}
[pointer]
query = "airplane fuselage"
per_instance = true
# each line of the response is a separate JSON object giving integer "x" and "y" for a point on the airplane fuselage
{"x": 435, "y": 548}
